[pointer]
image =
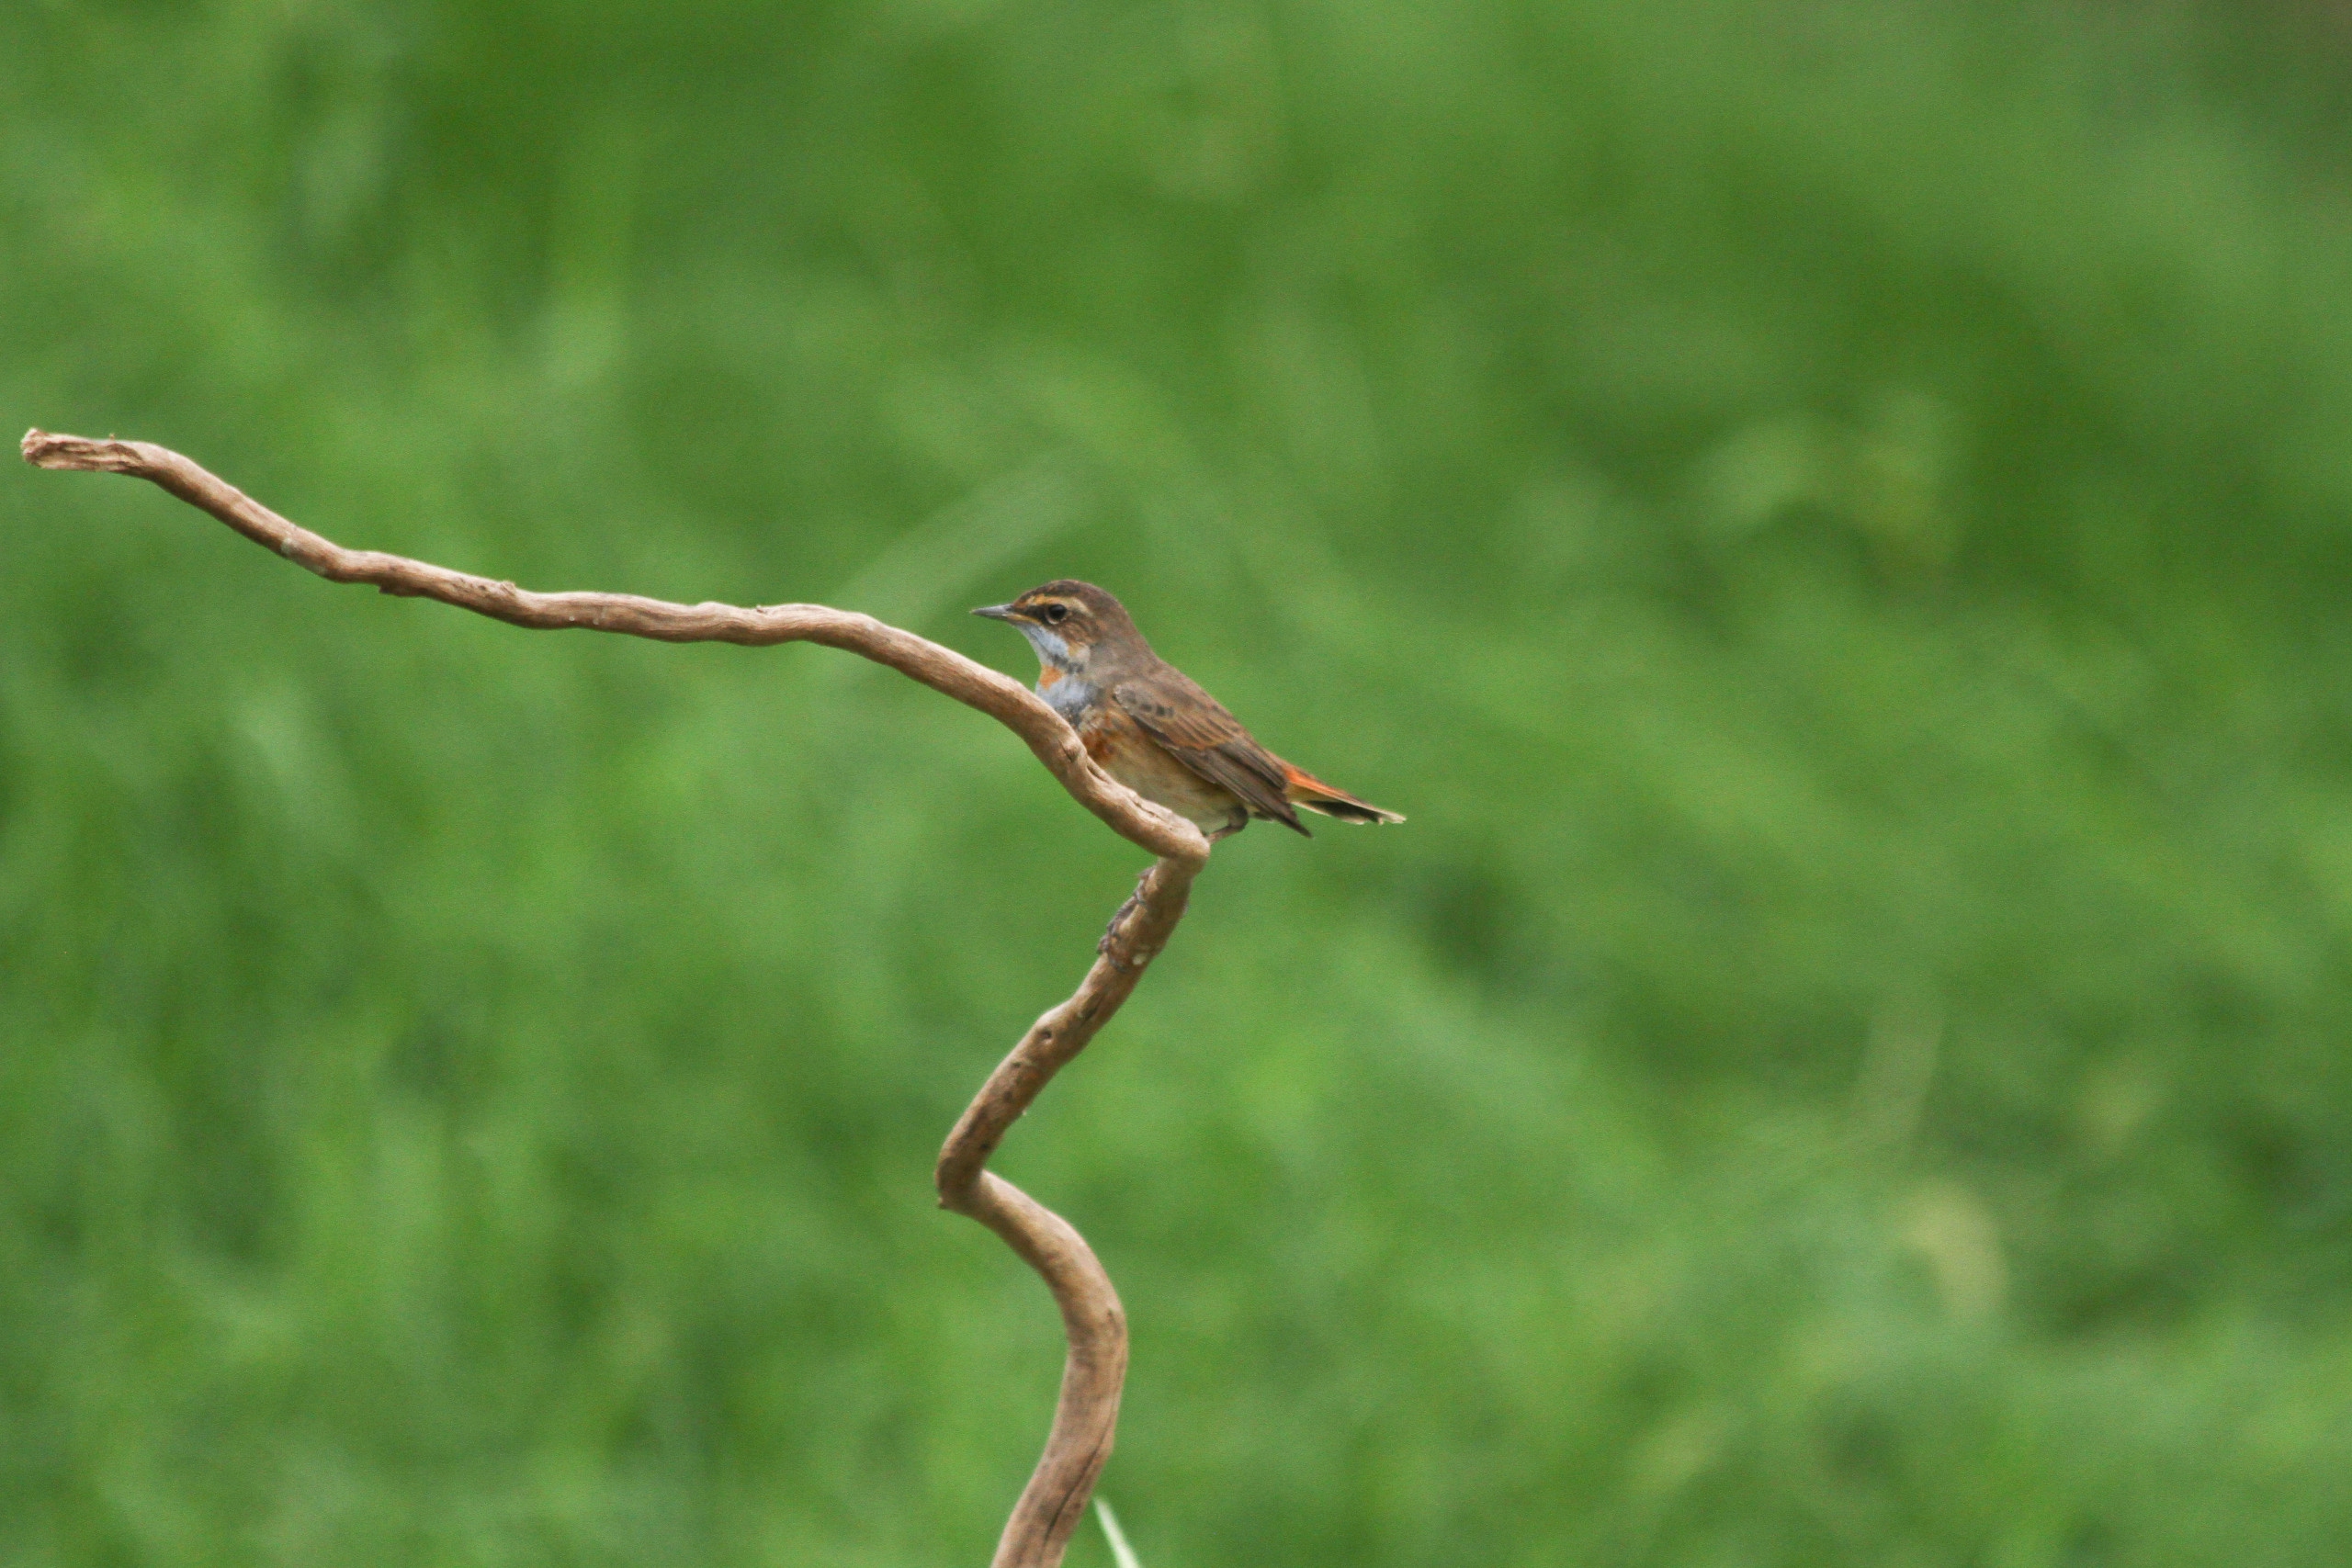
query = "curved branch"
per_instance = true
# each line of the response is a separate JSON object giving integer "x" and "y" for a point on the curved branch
{"x": 943, "y": 670}
{"x": 1055, "y": 1499}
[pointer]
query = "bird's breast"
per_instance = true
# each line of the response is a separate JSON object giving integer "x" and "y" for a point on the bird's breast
{"x": 1069, "y": 695}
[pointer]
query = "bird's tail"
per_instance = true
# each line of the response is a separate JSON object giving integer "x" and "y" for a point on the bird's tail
{"x": 1303, "y": 788}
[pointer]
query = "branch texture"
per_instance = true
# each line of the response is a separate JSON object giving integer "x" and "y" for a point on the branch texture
{"x": 943, "y": 670}
{"x": 1084, "y": 1421}
{"x": 1056, "y": 1499}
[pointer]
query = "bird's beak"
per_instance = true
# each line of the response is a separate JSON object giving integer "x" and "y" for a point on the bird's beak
{"x": 996, "y": 612}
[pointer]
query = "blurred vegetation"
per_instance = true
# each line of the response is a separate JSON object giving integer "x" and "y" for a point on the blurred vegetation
{"x": 1833, "y": 520}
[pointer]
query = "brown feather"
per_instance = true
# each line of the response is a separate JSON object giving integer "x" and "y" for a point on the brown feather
{"x": 1197, "y": 731}
{"x": 1153, "y": 728}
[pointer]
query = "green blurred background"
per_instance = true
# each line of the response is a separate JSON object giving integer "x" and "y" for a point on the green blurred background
{"x": 1834, "y": 520}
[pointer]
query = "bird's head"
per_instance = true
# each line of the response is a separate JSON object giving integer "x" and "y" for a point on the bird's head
{"x": 1075, "y": 627}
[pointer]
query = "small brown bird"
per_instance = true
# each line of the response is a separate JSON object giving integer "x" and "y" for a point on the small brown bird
{"x": 1149, "y": 726}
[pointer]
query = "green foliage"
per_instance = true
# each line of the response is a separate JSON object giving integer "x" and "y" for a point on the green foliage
{"x": 1829, "y": 518}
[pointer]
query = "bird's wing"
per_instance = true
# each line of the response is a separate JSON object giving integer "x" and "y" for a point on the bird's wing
{"x": 1195, "y": 728}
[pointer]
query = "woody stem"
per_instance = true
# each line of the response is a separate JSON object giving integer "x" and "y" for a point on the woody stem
{"x": 1055, "y": 1497}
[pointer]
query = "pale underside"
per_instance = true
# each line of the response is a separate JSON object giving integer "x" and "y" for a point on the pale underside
{"x": 1121, "y": 748}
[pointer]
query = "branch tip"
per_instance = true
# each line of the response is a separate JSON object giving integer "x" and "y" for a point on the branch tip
{"x": 78, "y": 453}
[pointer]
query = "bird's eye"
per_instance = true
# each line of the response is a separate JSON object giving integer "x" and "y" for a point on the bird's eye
{"x": 1054, "y": 615}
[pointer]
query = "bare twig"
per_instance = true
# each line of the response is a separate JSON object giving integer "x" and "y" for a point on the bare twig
{"x": 1056, "y": 1498}
{"x": 942, "y": 669}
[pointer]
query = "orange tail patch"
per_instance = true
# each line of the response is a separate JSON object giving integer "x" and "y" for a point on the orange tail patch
{"x": 1303, "y": 788}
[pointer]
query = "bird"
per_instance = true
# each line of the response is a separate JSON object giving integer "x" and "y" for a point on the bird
{"x": 1149, "y": 725}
